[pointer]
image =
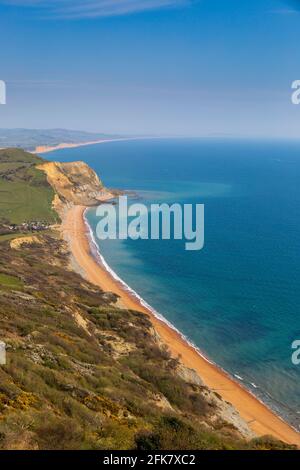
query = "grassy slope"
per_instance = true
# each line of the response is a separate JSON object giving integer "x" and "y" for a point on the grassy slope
{"x": 25, "y": 194}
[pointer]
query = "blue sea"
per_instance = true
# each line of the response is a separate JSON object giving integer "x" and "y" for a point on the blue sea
{"x": 238, "y": 299}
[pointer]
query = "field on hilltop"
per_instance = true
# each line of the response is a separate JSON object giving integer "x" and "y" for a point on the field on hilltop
{"x": 25, "y": 194}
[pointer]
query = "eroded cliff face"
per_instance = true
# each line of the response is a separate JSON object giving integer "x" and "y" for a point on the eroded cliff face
{"x": 75, "y": 183}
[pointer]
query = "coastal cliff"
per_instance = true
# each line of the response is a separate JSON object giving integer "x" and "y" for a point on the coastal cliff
{"x": 82, "y": 371}
{"x": 75, "y": 183}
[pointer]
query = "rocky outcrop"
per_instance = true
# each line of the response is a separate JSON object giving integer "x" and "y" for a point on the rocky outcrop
{"x": 188, "y": 375}
{"x": 17, "y": 243}
{"x": 225, "y": 415}
{"x": 75, "y": 183}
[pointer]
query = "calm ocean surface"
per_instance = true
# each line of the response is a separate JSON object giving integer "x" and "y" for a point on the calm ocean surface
{"x": 238, "y": 299}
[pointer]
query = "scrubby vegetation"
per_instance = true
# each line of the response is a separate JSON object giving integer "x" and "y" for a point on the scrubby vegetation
{"x": 84, "y": 374}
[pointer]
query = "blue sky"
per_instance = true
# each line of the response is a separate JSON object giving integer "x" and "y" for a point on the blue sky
{"x": 164, "y": 67}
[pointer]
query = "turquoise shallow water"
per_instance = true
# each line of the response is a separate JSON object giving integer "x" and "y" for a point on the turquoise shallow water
{"x": 238, "y": 299}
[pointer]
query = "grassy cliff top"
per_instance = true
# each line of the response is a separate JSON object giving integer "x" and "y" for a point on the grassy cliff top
{"x": 16, "y": 155}
{"x": 25, "y": 194}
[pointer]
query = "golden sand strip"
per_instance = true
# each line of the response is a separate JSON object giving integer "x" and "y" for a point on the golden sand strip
{"x": 259, "y": 417}
{"x": 48, "y": 148}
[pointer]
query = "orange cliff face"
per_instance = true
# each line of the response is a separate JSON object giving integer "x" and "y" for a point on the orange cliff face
{"x": 75, "y": 183}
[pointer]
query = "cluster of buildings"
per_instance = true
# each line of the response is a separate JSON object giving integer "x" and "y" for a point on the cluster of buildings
{"x": 35, "y": 226}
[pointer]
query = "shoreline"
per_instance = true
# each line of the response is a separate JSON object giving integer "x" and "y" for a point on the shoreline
{"x": 95, "y": 253}
{"x": 259, "y": 417}
{"x": 41, "y": 149}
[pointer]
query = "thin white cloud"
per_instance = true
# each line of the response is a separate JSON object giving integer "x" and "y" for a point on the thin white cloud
{"x": 284, "y": 11}
{"x": 75, "y": 9}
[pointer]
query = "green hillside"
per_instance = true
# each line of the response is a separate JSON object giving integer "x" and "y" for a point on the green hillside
{"x": 25, "y": 194}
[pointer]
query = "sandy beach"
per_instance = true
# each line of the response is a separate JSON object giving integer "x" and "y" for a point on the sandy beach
{"x": 47, "y": 148}
{"x": 259, "y": 417}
